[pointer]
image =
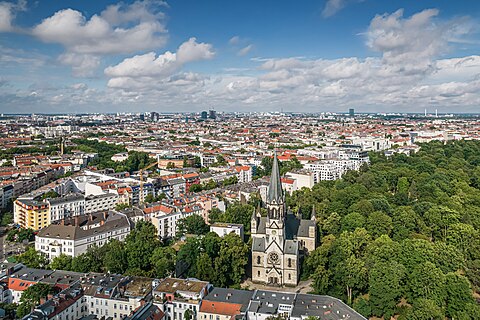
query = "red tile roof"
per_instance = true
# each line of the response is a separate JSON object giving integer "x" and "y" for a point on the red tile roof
{"x": 223, "y": 308}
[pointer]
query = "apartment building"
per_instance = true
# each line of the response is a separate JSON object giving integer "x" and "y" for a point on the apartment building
{"x": 177, "y": 297}
{"x": 31, "y": 214}
{"x": 75, "y": 235}
{"x": 225, "y": 304}
{"x": 101, "y": 202}
{"x": 6, "y": 195}
{"x": 165, "y": 218}
{"x": 65, "y": 207}
{"x": 244, "y": 173}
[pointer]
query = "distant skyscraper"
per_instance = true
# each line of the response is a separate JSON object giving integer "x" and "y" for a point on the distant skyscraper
{"x": 204, "y": 115}
{"x": 212, "y": 114}
{"x": 351, "y": 112}
{"x": 155, "y": 116}
{"x": 142, "y": 117}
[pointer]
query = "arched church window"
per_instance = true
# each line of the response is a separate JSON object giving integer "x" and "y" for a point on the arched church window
{"x": 259, "y": 273}
{"x": 289, "y": 276}
{"x": 289, "y": 262}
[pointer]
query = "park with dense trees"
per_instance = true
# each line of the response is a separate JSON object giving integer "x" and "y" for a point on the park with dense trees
{"x": 402, "y": 236}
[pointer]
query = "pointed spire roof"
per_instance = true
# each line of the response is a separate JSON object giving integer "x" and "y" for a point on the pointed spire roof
{"x": 275, "y": 193}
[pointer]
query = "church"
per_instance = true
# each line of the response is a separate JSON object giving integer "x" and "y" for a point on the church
{"x": 280, "y": 239}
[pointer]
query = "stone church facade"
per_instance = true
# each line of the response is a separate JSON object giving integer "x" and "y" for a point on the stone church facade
{"x": 280, "y": 239}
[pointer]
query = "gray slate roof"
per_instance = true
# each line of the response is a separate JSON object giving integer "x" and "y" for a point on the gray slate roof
{"x": 70, "y": 231}
{"x": 231, "y": 296}
{"x": 275, "y": 193}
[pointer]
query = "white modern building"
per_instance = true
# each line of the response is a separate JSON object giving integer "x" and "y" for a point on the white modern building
{"x": 222, "y": 229}
{"x": 165, "y": 219}
{"x": 244, "y": 173}
{"x": 101, "y": 202}
{"x": 66, "y": 207}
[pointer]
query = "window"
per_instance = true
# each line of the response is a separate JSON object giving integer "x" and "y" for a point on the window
{"x": 289, "y": 276}
{"x": 258, "y": 259}
{"x": 289, "y": 262}
{"x": 259, "y": 273}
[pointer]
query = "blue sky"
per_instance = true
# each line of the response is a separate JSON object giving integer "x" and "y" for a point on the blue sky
{"x": 312, "y": 56}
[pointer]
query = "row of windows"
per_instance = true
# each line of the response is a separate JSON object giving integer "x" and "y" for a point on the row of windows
{"x": 289, "y": 275}
{"x": 289, "y": 261}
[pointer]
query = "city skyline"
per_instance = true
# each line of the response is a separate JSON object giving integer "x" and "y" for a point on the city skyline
{"x": 189, "y": 56}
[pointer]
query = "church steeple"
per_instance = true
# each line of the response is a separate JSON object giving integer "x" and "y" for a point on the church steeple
{"x": 275, "y": 193}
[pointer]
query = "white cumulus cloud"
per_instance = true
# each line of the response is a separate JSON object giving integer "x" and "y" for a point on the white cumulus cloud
{"x": 119, "y": 29}
{"x": 150, "y": 65}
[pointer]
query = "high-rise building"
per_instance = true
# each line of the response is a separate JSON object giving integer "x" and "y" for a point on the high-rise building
{"x": 204, "y": 115}
{"x": 212, "y": 114}
{"x": 155, "y": 116}
{"x": 351, "y": 112}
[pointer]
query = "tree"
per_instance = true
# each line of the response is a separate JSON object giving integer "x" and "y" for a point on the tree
{"x": 195, "y": 187}
{"x": 428, "y": 282}
{"x": 379, "y": 223}
{"x": 163, "y": 262}
{"x": 122, "y": 206}
{"x": 353, "y": 221}
{"x": 149, "y": 198}
{"x": 62, "y": 262}
{"x": 31, "y": 297}
{"x": 229, "y": 181}
{"x": 424, "y": 309}
{"x": 188, "y": 315}
{"x": 321, "y": 279}
{"x": 7, "y": 218}
{"x": 140, "y": 244}
{"x": 232, "y": 260}
{"x": 7, "y": 163}
{"x": 332, "y": 224}
{"x": 50, "y": 195}
{"x": 221, "y": 160}
{"x": 362, "y": 306}
{"x": 385, "y": 287}
{"x": 193, "y": 224}
{"x": 90, "y": 261}
{"x": 25, "y": 235}
{"x": 115, "y": 260}
{"x": 459, "y": 294}
{"x": 12, "y": 235}
{"x": 170, "y": 165}
{"x": 187, "y": 258}
{"x": 33, "y": 259}
{"x": 353, "y": 274}
{"x": 205, "y": 268}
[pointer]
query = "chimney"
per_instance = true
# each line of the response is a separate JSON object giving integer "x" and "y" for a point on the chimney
{"x": 105, "y": 215}
{"x": 62, "y": 222}
{"x": 90, "y": 217}
{"x": 77, "y": 221}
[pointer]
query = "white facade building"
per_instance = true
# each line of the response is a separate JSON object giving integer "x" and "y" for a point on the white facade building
{"x": 222, "y": 229}
{"x": 102, "y": 202}
{"x": 66, "y": 207}
{"x": 74, "y": 236}
{"x": 244, "y": 173}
